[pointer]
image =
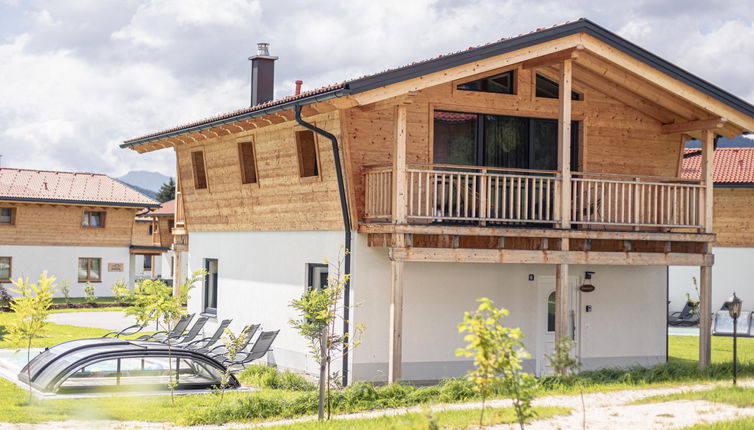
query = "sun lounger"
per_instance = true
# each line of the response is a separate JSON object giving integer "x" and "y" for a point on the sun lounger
{"x": 189, "y": 336}
{"x": 207, "y": 342}
{"x": 260, "y": 348}
{"x": 177, "y": 331}
{"x": 221, "y": 350}
{"x": 687, "y": 317}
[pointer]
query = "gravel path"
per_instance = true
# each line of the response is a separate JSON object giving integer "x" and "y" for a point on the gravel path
{"x": 609, "y": 410}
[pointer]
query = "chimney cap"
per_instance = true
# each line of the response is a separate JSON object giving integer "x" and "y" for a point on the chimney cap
{"x": 263, "y": 51}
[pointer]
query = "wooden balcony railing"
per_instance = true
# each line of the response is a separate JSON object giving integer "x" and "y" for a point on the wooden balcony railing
{"x": 483, "y": 195}
{"x": 611, "y": 199}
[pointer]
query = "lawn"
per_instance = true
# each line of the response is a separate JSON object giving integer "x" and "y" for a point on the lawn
{"x": 686, "y": 349}
{"x": 736, "y": 396}
{"x": 458, "y": 419}
{"x": 740, "y": 424}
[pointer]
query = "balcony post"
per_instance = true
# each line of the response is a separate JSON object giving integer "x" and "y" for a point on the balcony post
{"x": 399, "y": 166}
{"x": 179, "y": 232}
{"x": 705, "y": 316}
{"x": 395, "y": 347}
{"x": 708, "y": 156}
{"x": 564, "y": 143}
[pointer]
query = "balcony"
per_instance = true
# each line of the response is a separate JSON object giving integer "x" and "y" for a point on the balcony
{"x": 463, "y": 195}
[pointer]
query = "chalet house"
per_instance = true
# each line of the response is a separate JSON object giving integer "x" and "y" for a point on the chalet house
{"x": 77, "y": 226}
{"x": 152, "y": 243}
{"x": 733, "y": 225}
{"x": 521, "y": 170}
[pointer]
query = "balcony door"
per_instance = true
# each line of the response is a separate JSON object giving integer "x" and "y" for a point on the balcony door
{"x": 472, "y": 139}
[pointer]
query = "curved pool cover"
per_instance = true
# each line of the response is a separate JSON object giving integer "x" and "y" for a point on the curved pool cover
{"x": 112, "y": 364}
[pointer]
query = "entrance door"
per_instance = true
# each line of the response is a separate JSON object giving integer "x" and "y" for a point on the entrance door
{"x": 546, "y": 318}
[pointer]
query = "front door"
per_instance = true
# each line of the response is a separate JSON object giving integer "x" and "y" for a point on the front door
{"x": 546, "y": 319}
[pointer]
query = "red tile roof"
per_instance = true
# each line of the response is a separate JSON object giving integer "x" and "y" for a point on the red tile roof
{"x": 68, "y": 187}
{"x": 732, "y": 165}
{"x": 328, "y": 88}
{"x": 167, "y": 209}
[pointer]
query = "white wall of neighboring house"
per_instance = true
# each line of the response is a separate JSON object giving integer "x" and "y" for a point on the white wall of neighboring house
{"x": 261, "y": 272}
{"x": 62, "y": 262}
{"x": 733, "y": 271}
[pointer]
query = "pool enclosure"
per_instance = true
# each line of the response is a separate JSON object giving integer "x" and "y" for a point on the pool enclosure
{"x": 111, "y": 364}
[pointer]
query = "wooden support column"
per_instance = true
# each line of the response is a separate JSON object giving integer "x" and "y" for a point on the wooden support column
{"x": 400, "y": 193}
{"x": 179, "y": 228}
{"x": 564, "y": 143}
{"x": 395, "y": 349}
{"x": 562, "y": 297}
{"x": 705, "y": 316}
{"x": 708, "y": 156}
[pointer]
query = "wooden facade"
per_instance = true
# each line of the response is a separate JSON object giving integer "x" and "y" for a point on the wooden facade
{"x": 620, "y": 202}
{"x": 61, "y": 224}
{"x": 733, "y": 224}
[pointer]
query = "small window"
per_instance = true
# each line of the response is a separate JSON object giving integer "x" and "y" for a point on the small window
{"x": 149, "y": 229}
{"x": 503, "y": 83}
{"x": 248, "y": 162}
{"x": 148, "y": 262}
{"x": 5, "y": 269}
{"x": 93, "y": 219}
{"x": 316, "y": 276}
{"x": 89, "y": 269}
{"x": 210, "y": 286}
{"x": 551, "y": 312}
{"x": 307, "y": 154}
{"x": 549, "y": 89}
{"x": 7, "y": 216}
{"x": 200, "y": 173}
{"x": 171, "y": 224}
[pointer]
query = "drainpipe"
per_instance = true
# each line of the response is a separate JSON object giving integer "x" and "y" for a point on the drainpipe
{"x": 346, "y": 226}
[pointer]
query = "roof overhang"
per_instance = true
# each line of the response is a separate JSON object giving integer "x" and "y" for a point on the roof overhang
{"x": 593, "y": 38}
{"x": 78, "y": 202}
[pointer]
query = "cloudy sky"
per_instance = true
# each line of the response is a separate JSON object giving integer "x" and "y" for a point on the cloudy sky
{"x": 79, "y": 77}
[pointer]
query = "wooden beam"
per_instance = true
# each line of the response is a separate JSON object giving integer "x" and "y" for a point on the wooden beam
{"x": 564, "y": 142}
{"x": 395, "y": 348}
{"x": 705, "y": 316}
{"x": 541, "y": 232}
{"x": 400, "y": 192}
{"x": 562, "y": 302}
{"x": 464, "y": 255}
{"x": 698, "y": 125}
{"x": 708, "y": 156}
{"x": 554, "y": 58}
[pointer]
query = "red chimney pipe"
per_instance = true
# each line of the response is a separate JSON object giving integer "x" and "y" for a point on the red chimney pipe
{"x": 298, "y": 86}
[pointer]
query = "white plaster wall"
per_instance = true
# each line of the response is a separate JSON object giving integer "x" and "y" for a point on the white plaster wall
{"x": 259, "y": 274}
{"x": 733, "y": 271}
{"x": 141, "y": 273}
{"x": 62, "y": 262}
{"x": 626, "y": 325}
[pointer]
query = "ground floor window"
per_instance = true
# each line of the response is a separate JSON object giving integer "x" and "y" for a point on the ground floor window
{"x": 551, "y": 312}
{"x": 210, "y": 286}
{"x": 147, "y": 262}
{"x": 316, "y": 276}
{"x": 90, "y": 269}
{"x": 5, "y": 272}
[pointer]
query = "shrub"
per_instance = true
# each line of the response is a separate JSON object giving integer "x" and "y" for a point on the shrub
{"x": 65, "y": 288}
{"x": 90, "y": 293}
{"x": 261, "y": 376}
{"x": 5, "y": 298}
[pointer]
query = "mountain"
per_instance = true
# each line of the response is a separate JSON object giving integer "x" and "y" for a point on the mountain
{"x": 143, "y": 181}
{"x": 149, "y": 193}
{"x": 736, "y": 142}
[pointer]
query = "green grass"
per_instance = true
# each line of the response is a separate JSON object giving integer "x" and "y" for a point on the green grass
{"x": 736, "y": 396}
{"x": 459, "y": 419}
{"x": 740, "y": 424}
{"x": 686, "y": 349}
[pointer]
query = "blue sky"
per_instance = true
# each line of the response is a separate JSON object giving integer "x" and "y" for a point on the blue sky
{"x": 79, "y": 77}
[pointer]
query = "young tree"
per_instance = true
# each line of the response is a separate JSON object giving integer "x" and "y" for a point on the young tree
{"x": 153, "y": 300}
{"x": 166, "y": 191}
{"x": 319, "y": 311}
{"x": 498, "y": 351}
{"x": 566, "y": 365}
{"x": 32, "y": 310}
{"x": 233, "y": 345}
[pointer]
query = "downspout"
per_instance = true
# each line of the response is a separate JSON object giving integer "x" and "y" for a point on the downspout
{"x": 346, "y": 226}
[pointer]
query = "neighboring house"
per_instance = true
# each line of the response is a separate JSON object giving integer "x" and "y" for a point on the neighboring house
{"x": 518, "y": 170}
{"x": 151, "y": 245}
{"x": 733, "y": 226}
{"x": 77, "y": 226}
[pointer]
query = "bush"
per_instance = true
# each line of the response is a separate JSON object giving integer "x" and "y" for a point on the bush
{"x": 65, "y": 288}
{"x": 262, "y": 376}
{"x": 5, "y": 298}
{"x": 90, "y": 293}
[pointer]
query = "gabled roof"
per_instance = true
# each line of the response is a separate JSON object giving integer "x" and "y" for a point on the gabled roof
{"x": 731, "y": 165}
{"x": 68, "y": 187}
{"x": 446, "y": 61}
{"x": 166, "y": 209}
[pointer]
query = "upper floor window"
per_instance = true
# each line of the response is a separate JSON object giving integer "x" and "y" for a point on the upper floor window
{"x": 549, "y": 89}
{"x": 93, "y": 219}
{"x": 7, "y": 216}
{"x": 306, "y": 145}
{"x": 503, "y": 83}
{"x": 248, "y": 162}
{"x": 150, "y": 229}
{"x": 5, "y": 266}
{"x": 90, "y": 269}
{"x": 200, "y": 172}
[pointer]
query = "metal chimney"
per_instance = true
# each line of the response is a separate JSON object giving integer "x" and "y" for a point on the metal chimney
{"x": 262, "y": 75}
